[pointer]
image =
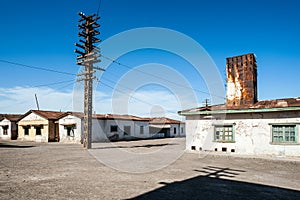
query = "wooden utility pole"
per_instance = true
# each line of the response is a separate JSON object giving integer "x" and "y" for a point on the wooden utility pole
{"x": 88, "y": 56}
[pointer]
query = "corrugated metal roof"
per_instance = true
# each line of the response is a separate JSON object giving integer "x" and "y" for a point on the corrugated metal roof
{"x": 10, "y": 117}
{"x": 164, "y": 120}
{"x": 260, "y": 106}
{"x": 50, "y": 115}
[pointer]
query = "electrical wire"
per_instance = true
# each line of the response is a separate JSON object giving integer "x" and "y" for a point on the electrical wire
{"x": 140, "y": 100}
{"x": 155, "y": 76}
{"x": 37, "y": 68}
{"x": 99, "y": 6}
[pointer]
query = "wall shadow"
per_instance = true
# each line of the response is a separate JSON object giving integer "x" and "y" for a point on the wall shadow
{"x": 135, "y": 146}
{"x": 211, "y": 185}
{"x": 3, "y": 145}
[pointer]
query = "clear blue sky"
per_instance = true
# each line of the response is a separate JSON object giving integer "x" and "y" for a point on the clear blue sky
{"x": 43, "y": 33}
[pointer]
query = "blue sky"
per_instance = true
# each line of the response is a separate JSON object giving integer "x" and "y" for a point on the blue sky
{"x": 43, "y": 33}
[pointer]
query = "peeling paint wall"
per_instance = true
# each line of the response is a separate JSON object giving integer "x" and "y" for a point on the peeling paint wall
{"x": 241, "y": 74}
{"x": 33, "y": 120}
{"x": 252, "y": 133}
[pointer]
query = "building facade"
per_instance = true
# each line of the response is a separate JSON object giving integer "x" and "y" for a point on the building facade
{"x": 39, "y": 126}
{"x": 9, "y": 127}
{"x": 244, "y": 125}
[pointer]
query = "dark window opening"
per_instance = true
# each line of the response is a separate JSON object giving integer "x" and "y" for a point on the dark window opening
{"x": 113, "y": 129}
{"x": 232, "y": 150}
{"x": 193, "y": 148}
{"x": 216, "y": 149}
{"x": 5, "y": 130}
{"x": 38, "y": 130}
{"x": 224, "y": 149}
{"x": 26, "y": 130}
{"x": 174, "y": 130}
{"x": 70, "y": 131}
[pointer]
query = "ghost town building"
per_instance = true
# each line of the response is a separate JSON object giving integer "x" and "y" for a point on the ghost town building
{"x": 8, "y": 126}
{"x": 67, "y": 127}
{"x": 244, "y": 125}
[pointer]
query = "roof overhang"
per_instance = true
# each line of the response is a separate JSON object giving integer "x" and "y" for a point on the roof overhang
{"x": 239, "y": 111}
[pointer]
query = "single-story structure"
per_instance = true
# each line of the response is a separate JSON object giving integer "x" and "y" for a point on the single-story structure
{"x": 8, "y": 126}
{"x": 105, "y": 127}
{"x": 113, "y": 127}
{"x": 163, "y": 127}
{"x": 39, "y": 126}
{"x": 244, "y": 125}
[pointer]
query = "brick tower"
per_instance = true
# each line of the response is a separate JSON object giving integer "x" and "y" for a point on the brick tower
{"x": 241, "y": 74}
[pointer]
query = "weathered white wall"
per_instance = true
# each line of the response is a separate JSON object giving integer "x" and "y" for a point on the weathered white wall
{"x": 70, "y": 119}
{"x": 5, "y": 122}
{"x": 252, "y": 133}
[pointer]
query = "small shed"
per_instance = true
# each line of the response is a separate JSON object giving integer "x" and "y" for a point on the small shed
{"x": 8, "y": 126}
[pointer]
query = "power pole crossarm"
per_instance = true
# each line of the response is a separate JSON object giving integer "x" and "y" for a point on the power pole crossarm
{"x": 88, "y": 56}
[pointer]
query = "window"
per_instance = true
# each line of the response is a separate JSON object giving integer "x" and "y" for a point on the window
{"x": 38, "y": 130}
{"x": 224, "y": 133}
{"x": 174, "y": 130}
{"x": 284, "y": 133}
{"x": 5, "y": 128}
{"x": 70, "y": 130}
{"x": 113, "y": 129}
{"x": 127, "y": 130}
{"x": 181, "y": 129}
{"x": 26, "y": 130}
{"x": 141, "y": 129}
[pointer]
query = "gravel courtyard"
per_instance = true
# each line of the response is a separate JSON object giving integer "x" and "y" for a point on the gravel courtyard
{"x": 149, "y": 169}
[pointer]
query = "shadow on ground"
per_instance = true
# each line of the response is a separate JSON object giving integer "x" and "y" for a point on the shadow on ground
{"x": 211, "y": 185}
{"x": 3, "y": 145}
{"x": 135, "y": 146}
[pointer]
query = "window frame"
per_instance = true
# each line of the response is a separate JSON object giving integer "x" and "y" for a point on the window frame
{"x": 142, "y": 130}
{"x": 284, "y": 141}
{"x": 223, "y": 140}
{"x": 125, "y": 131}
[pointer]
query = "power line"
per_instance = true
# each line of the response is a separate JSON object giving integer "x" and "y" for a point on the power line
{"x": 38, "y": 68}
{"x": 155, "y": 76}
{"x": 99, "y": 6}
{"x": 142, "y": 101}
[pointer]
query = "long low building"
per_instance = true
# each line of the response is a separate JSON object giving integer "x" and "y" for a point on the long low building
{"x": 67, "y": 127}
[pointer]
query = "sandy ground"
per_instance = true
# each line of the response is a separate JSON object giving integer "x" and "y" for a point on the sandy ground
{"x": 150, "y": 169}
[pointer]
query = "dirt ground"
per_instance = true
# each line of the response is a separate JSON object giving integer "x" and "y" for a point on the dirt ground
{"x": 149, "y": 169}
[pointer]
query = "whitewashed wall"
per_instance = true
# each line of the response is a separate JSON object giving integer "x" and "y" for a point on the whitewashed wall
{"x": 253, "y": 134}
{"x": 70, "y": 119}
{"x": 5, "y": 122}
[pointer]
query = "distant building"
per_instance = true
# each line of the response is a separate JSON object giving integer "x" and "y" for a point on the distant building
{"x": 39, "y": 126}
{"x": 244, "y": 125}
{"x": 166, "y": 127}
{"x": 113, "y": 127}
{"x": 8, "y": 126}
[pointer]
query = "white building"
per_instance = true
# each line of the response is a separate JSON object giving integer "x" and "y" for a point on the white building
{"x": 244, "y": 125}
{"x": 166, "y": 127}
{"x": 106, "y": 127}
{"x": 9, "y": 127}
{"x": 111, "y": 127}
